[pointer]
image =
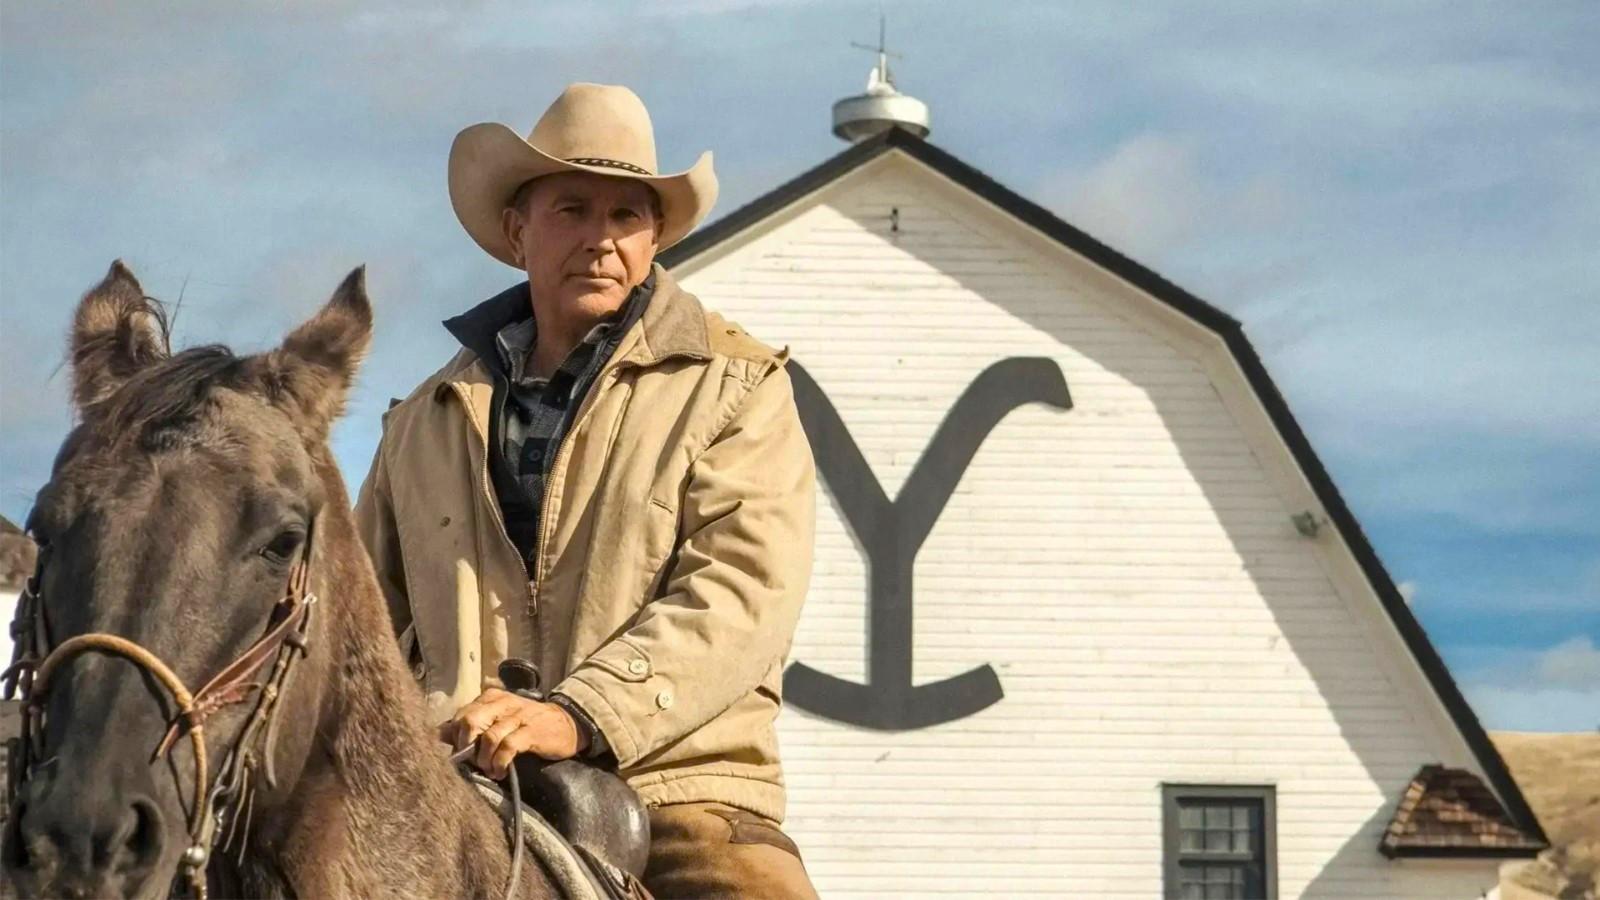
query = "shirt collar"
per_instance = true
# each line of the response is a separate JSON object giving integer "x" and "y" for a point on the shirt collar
{"x": 478, "y": 329}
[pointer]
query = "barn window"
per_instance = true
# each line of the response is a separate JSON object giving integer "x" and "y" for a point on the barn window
{"x": 1219, "y": 842}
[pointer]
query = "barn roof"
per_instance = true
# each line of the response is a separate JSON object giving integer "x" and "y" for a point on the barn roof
{"x": 1201, "y": 312}
{"x": 1449, "y": 812}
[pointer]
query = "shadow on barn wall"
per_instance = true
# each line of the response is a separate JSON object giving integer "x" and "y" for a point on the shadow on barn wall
{"x": 1358, "y": 852}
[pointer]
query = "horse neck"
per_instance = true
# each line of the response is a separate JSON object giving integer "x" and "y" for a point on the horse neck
{"x": 378, "y": 810}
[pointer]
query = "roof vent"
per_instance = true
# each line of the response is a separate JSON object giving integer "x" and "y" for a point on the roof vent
{"x": 882, "y": 107}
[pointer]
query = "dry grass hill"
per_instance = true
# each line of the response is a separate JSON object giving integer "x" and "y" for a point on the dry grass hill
{"x": 16, "y": 555}
{"x": 1560, "y": 775}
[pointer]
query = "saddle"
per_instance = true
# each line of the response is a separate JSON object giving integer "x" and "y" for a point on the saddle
{"x": 587, "y": 828}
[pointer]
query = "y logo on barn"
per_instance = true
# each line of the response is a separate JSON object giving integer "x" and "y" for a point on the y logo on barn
{"x": 891, "y": 533}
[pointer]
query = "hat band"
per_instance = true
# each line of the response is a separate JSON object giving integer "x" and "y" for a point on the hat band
{"x": 610, "y": 164}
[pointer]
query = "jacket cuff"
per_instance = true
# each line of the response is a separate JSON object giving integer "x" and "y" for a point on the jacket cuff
{"x": 609, "y": 724}
{"x": 595, "y": 739}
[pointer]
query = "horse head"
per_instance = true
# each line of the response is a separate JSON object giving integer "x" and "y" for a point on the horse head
{"x": 177, "y": 513}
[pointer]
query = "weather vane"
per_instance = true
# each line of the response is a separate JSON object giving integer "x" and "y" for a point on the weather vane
{"x": 880, "y": 80}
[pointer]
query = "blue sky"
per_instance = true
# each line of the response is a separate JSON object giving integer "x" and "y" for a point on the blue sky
{"x": 1401, "y": 201}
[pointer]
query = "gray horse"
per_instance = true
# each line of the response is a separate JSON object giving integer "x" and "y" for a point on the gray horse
{"x": 189, "y": 517}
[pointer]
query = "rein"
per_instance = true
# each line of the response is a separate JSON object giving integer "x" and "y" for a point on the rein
{"x": 33, "y": 669}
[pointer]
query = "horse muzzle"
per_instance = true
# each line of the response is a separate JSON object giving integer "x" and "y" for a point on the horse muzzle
{"x": 69, "y": 840}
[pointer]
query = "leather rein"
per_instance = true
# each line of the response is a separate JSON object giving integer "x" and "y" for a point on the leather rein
{"x": 214, "y": 807}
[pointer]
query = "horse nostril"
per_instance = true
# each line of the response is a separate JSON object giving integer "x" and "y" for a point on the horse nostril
{"x": 142, "y": 837}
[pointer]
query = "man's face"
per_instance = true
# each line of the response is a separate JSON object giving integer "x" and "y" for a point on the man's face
{"x": 586, "y": 240}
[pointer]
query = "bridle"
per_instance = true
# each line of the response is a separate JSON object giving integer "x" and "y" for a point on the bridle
{"x": 214, "y": 807}
{"x": 231, "y": 799}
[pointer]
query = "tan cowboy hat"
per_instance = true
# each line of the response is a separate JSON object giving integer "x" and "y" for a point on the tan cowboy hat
{"x": 598, "y": 128}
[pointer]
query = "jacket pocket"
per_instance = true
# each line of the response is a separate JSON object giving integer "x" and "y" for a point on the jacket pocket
{"x": 660, "y": 540}
{"x": 436, "y": 537}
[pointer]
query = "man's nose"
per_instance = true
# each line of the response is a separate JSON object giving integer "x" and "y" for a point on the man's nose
{"x": 603, "y": 239}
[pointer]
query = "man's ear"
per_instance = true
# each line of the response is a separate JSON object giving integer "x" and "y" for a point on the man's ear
{"x": 310, "y": 374}
{"x": 512, "y": 223}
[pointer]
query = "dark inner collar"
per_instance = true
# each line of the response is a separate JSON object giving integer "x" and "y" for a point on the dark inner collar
{"x": 476, "y": 328}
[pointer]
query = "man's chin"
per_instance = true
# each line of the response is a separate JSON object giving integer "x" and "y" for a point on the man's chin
{"x": 597, "y": 302}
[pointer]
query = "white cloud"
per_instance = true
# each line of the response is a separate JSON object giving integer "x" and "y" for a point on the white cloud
{"x": 691, "y": 8}
{"x": 1573, "y": 664}
{"x": 1535, "y": 709}
{"x": 1554, "y": 689}
{"x": 1488, "y": 483}
{"x": 1155, "y": 193}
{"x": 1408, "y": 591}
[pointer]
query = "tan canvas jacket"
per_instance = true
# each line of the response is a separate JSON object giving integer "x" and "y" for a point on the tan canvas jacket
{"x": 674, "y": 552}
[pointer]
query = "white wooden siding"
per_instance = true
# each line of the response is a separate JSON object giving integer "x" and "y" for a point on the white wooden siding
{"x": 8, "y": 608}
{"x": 1128, "y": 567}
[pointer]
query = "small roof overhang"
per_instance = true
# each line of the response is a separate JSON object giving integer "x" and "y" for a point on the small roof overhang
{"x": 1447, "y": 812}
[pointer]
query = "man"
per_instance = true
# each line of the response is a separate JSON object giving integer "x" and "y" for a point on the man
{"x": 612, "y": 482}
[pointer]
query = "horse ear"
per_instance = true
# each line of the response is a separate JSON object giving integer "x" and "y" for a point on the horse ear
{"x": 116, "y": 331}
{"x": 311, "y": 373}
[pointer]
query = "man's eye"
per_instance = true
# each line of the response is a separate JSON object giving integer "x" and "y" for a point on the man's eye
{"x": 627, "y": 214}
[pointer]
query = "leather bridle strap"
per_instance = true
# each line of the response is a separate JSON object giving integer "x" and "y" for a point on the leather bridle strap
{"x": 110, "y": 643}
{"x": 231, "y": 686}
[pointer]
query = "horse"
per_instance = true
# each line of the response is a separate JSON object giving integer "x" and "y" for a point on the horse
{"x": 195, "y": 526}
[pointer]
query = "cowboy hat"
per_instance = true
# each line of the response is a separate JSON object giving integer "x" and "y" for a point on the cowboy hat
{"x": 597, "y": 128}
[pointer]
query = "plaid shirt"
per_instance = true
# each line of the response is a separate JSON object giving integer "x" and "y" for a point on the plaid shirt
{"x": 532, "y": 415}
{"x": 536, "y": 413}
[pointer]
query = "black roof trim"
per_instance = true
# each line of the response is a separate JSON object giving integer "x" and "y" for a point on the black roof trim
{"x": 1226, "y": 326}
{"x": 784, "y": 194}
{"x": 1461, "y": 852}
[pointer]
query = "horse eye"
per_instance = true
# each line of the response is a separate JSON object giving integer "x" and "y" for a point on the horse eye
{"x": 283, "y": 545}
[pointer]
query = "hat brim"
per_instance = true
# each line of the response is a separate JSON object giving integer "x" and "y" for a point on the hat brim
{"x": 489, "y": 161}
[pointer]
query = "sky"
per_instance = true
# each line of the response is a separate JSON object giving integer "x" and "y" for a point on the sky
{"x": 1400, "y": 201}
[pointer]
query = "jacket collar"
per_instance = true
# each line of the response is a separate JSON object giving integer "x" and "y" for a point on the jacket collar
{"x": 673, "y": 324}
{"x": 476, "y": 327}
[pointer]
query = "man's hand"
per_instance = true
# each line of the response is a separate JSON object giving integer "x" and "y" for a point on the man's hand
{"x": 504, "y": 724}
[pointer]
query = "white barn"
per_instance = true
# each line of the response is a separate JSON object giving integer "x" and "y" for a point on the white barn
{"x": 1119, "y": 635}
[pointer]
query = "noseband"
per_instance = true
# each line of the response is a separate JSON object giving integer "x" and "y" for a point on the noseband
{"x": 32, "y": 674}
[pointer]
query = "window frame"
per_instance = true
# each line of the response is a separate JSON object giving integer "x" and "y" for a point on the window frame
{"x": 1171, "y": 793}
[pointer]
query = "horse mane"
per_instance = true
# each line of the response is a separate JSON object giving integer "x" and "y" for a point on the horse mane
{"x": 160, "y": 402}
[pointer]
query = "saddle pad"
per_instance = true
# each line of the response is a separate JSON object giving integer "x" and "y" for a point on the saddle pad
{"x": 551, "y": 850}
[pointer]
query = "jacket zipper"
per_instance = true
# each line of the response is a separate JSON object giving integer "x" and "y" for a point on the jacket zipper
{"x": 606, "y": 378}
{"x": 534, "y": 578}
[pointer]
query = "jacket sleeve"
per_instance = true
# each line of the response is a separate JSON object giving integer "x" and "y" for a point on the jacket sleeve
{"x": 375, "y": 522}
{"x": 728, "y": 610}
